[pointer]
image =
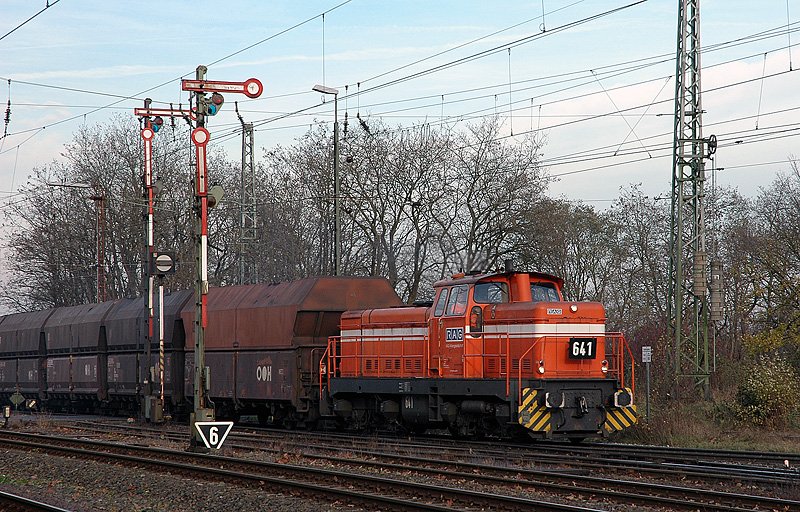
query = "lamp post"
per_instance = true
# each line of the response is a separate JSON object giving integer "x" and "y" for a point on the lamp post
{"x": 337, "y": 240}
{"x": 99, "y": 200}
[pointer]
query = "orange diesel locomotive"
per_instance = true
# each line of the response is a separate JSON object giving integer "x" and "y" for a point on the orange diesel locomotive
{"x": 500, "y": 354}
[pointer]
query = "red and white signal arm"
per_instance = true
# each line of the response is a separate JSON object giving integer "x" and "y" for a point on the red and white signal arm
{"x": 252, "y": 87}
{"x": 213, "y": 433}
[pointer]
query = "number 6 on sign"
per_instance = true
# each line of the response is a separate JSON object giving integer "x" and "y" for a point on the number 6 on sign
{"x": 210, "y": 432}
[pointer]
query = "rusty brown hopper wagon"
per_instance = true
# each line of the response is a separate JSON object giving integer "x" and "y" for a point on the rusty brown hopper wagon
{"x": 264, "y": 342}
{"x": 23, "y": 355}
{"x": 126, "y": 331}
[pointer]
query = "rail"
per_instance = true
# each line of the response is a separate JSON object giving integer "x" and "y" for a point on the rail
{"x": 9, "y": 501}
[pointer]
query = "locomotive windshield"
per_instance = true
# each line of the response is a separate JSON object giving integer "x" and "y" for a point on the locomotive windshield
{"x": 490, "y": 293}
{"x": 544, "y": 292}
{"x": 440, "y": 302}
{"x": 457, "y": 305}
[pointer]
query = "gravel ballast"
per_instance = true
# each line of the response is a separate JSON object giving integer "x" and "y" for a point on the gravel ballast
{"x": 86, "y": 486}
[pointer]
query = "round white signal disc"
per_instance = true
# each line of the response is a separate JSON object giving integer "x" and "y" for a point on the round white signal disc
{"x": 200, "y": 136}
{"x": 253, "y": 88}
{"x": 164, "y": 263}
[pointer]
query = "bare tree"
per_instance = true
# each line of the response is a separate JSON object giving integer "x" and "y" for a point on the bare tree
{"x": 56, "y": 228}
{"x": 489, "y": 185}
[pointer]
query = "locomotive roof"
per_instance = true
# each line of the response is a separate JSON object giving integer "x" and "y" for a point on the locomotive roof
{"x": 475, "y": 277}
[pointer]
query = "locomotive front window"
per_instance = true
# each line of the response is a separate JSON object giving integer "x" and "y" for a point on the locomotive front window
{"x": 490, "y": 293}
{"x": 440, "y": 302}
{"x": 544, "y": 292}
{"x": 457, "y": 305}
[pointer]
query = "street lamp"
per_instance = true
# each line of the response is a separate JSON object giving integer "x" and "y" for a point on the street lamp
{"x": 337, "y": 240}
{"x": 99, "y": 200}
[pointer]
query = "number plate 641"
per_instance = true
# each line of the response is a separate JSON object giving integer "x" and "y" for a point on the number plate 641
{"x": 582, "y": 348}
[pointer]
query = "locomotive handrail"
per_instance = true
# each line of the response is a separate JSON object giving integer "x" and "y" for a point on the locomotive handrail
{"x": 519, "y": 370}
{"x": 360, "y": 356}
{"x": 503, "y": 347}
{"x": 619, "y": 360}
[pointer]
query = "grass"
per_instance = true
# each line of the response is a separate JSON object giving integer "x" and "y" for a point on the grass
{"x": 709, "y": 424}
{"x": 4, "y": 479}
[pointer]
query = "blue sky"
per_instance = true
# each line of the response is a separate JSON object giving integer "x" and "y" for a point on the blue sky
{"x": 568, "y": 80}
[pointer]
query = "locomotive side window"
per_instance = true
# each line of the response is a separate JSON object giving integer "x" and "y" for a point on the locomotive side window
{"x": 457, "y": 305}
{"x": 440, "y": 302}
{"x": 490, "y": 293}
{"x": 544, "y": 292}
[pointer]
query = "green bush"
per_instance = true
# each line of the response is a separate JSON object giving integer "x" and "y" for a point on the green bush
{"x": 767, "y": 397}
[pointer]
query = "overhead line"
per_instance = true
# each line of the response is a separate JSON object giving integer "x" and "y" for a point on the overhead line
{"x": 496, "y": 49}
{"x": 429, "y": 57}
{"x": 769, "y": 32}
{"x": 134, "y": 96}
{"x": 273, "y": 36}
{"x": 47, "y": 6}
{"x": 610, "y": 73}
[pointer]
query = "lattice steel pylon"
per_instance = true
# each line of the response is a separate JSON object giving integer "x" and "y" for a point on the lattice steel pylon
{"x": 688, "y": 302}
{"x": 247, "y": 219}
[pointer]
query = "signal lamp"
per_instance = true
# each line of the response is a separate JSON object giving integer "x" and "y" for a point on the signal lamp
{"x": 157, "y": 123}
{"x": 554, "y": 400}
{"x": 215, "y": 194}
{"x": 215, "y": 104}
{"x": 604, "y": 366}
{"x": 541, "y": 367}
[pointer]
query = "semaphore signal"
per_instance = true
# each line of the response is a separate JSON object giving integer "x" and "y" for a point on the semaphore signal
{"x": 203, "y": 199}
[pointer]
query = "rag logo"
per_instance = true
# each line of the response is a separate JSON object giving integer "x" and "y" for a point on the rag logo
{"x": 455, "y": 334}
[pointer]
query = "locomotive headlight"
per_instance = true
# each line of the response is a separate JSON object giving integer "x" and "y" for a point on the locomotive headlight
{"x": 541, "y": 367}
{"x": 574, "y": 308}
{"x": 604, "y": 366}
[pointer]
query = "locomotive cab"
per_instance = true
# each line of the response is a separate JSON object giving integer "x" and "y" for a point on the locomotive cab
{"x": 465, "y": 311}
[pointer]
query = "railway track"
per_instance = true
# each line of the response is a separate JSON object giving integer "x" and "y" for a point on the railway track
{"x": 12, "y": 503}
{"x": 766, "y": 469}
{"x": 372, "y": 491}
{"x": 556, "y": 481}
